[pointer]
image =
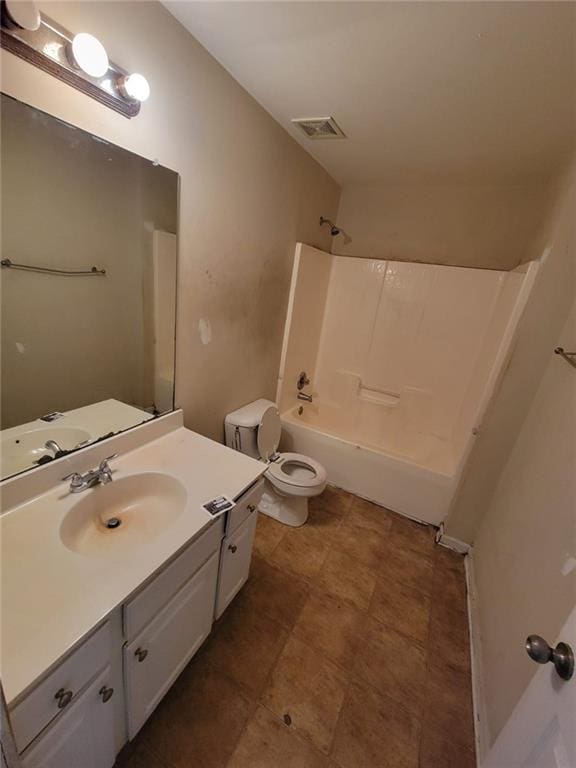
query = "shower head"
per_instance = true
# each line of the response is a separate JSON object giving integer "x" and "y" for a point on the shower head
{"x": 335, "y": 231}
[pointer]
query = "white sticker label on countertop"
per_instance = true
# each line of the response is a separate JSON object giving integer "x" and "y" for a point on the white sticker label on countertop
{"x": 218, "y": 506}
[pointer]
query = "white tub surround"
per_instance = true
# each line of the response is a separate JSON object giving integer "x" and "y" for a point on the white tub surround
{"x": 52, "y": 597}
{"x": 402, "y": 359}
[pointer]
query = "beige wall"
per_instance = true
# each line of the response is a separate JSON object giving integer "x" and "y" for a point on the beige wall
{"x": 522, "y": 552}
{"x": 517, "y": 498}
{"x": 468, "y": 226}
{"x": 545, "y": 314}
{"x": 248, "y": 194}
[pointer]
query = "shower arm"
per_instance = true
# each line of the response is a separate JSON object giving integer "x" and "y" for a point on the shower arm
{"x": 335, "y": 230}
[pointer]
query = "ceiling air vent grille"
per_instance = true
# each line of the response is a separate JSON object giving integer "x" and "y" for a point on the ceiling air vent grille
{"x": 319, "y": 127}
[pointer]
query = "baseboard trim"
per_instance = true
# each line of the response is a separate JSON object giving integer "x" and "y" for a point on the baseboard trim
{"x": 481, "y": 733}
{"x": 451, "y": 543}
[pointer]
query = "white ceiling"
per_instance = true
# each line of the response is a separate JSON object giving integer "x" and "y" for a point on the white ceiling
{"x": 427, "y": 92}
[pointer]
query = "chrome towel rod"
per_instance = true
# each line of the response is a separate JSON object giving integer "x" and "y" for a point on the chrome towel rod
{"x": 51, "y": 271}
{"x": 568, "y": 356}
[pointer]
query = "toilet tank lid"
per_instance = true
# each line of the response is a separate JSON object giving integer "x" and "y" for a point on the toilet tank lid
{"x": 249, "y": 415}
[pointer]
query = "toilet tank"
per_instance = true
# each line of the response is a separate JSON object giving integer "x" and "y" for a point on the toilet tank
{"x": 241, "y": 427}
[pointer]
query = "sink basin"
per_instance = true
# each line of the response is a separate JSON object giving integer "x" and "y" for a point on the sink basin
{"x": 22, "y": 450}
{"x": 112, "y": 520}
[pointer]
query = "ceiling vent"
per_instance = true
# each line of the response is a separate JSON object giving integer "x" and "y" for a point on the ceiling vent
{"x": 319, "y": 127}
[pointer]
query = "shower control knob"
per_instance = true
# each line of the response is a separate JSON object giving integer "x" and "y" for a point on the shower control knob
{"x": 302, "y": 380}
{"x": 562, "y": 656}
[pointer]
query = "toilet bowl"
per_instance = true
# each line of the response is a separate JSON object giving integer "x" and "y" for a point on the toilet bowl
{"x": 292, "y": 478}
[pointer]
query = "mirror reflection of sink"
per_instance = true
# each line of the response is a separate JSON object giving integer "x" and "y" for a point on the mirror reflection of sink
{"x": 113, "y": 520}
{"x": 22, "y": 450}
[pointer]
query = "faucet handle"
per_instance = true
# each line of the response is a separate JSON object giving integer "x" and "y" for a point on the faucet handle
{"x": 75, "y": 479}
{"x": 104, "y": 462}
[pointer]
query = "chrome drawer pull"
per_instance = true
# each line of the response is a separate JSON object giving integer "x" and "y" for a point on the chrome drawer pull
{"x": 106, "y": 693}
{"x": 63, "y": 697}
{"x": 232, "y": 548}
{"x": 141, "y": 653}
{"x": 251, "y": 508}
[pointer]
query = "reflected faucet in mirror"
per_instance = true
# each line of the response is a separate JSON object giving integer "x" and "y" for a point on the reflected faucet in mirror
{"x": 52, "y": 445}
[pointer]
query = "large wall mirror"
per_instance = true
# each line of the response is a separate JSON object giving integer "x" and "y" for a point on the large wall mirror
{"x": 88, "y": 288}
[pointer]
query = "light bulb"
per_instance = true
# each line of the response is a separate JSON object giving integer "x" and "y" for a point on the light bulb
{"x": 22, "y": 14}
{"x": 134, "y": 87}
{"x": 89, "y": 54}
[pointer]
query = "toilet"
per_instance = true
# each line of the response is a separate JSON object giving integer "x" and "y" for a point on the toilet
{"x": 292, "y": 478}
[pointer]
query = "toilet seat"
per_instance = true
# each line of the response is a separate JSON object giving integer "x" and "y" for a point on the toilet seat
{"x": 296, "y": 475}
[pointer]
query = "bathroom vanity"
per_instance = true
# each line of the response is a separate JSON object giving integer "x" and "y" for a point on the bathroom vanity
{"x": 107, "y": 591}
{"x": 98, "y": 622}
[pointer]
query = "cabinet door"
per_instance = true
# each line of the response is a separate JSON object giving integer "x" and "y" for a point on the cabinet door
{"x": 155, "y": 658}
{"x": 83, "y": 736}
{"x": 235, "y": 562}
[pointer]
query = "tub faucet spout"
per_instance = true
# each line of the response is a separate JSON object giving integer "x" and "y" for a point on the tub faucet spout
{"x": 304, "y": 396}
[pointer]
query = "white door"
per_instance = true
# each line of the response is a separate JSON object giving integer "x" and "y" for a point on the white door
{"x": 155, "y": 658}
{"x": 82, "y": 737}
{"x": 235, "y": 562}
{"x": 541, "y": 732}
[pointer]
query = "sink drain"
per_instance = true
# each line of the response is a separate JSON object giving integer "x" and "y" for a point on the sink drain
{"x": 114, "y": 522}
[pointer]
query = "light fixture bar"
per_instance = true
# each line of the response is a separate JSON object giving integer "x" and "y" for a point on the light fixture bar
{"x": 48, "y": 48}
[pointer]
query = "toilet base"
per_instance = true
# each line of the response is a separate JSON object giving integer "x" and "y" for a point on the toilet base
{"x": 290, "y": 510}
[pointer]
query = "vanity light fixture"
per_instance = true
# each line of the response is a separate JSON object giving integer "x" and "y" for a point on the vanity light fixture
{"x": 134, "y": 87}
{"x": 80, "y": 60}
{"x": 88, "y": 53}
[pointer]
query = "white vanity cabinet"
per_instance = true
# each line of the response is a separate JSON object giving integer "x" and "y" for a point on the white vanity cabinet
{"x": 84, "y": 735}
{"x": 85, "y": 687}
{"x": 80, "y": 714}
{"x": 236, "y": 551}
{"x": 235, "y": 562}
{"x": 156, "y": 656}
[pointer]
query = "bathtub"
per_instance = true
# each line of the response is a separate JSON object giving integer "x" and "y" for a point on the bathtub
{"x": 407, "y": 471}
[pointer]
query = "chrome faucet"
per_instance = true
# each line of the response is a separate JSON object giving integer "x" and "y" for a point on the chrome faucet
{"x": 304, "y": 396}
{"x": 100, "y": 476}
{"x": 52, "y": 445}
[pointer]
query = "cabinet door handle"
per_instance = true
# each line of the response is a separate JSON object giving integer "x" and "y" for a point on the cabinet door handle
{"x": 63, "y": 697}
{"x": 141, "y": 653}
{"x": 232, "y": 548}
{"x": 251, "y": 508}
{"x": 106, "y": 693}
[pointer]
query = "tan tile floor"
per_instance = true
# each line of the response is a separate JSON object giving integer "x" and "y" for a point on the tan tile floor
{"x": 347, "y": 648}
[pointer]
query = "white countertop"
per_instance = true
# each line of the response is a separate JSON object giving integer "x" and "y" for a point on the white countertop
{"x": 52, "y": 597}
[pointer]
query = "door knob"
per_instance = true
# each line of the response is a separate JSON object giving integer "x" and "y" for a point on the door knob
{"x": 562, "y": 656}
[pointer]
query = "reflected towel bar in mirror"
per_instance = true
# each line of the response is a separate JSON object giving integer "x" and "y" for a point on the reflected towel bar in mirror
{"x": 568, "y": 356}
{"x": 51, "y": 271}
